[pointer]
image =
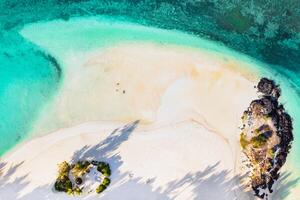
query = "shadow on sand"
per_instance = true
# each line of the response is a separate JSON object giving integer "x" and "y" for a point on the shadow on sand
{"x": 126, "y": 186}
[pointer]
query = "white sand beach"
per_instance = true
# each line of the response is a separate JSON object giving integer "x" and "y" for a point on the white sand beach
{"x": 186, "y": 103}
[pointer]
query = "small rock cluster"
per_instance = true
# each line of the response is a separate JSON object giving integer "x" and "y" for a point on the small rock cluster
{"x": 266, "y": 137}
{"x": 77, "y": 171}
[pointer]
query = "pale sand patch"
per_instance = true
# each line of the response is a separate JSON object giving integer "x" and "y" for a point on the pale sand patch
{"x": 179, "y": 161}
{"x": 161, "y": 84}
{"x": 189, "y": 104}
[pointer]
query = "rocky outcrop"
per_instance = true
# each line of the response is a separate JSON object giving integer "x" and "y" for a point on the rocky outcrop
{"x": 266, "y": 137}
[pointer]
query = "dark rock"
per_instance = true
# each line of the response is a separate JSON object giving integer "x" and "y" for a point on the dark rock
{"x": 78, "y": 181}
{"x": 280, "y": 110}
{"x": 95, "y": 163}
{"x": 265, "y": 105}
{"x": 267, "y": 134}
{"x": 276, "y": 92}
{"x": 268, "y": 106}
{"x": 265, "y": 86}
{"x": 270, "y": 184}
{"x": 86, "y": 163}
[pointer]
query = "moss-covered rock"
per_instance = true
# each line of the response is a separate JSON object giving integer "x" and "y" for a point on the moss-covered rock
{"x": 243, "y": 141}
{"x": 100, "y": 188}
{"x": 64, "y": 184}
{"x": 104, "y": 169}
{"x": 106, "y": 181}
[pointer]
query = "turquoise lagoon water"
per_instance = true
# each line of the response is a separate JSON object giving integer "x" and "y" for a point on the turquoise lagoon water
{"x": 29, "y": 77}
{"x": 27, "y": 81}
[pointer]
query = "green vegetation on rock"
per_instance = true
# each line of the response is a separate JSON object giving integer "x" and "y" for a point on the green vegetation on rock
{"x": 258, "y": 141}
{"x": 63, "y": 183}
{"x": 105, "y": 183}
{"x": 100, "y": 188}
{"x": 271, "y": 153}
{"x": 78, "y": 170}
{"x": 243, "y": 141}
{"x": 104, "y": 169}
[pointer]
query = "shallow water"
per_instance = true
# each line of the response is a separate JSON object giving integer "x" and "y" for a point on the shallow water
{"x": 27, "y": 81}
{"x": 265, "y": 30}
